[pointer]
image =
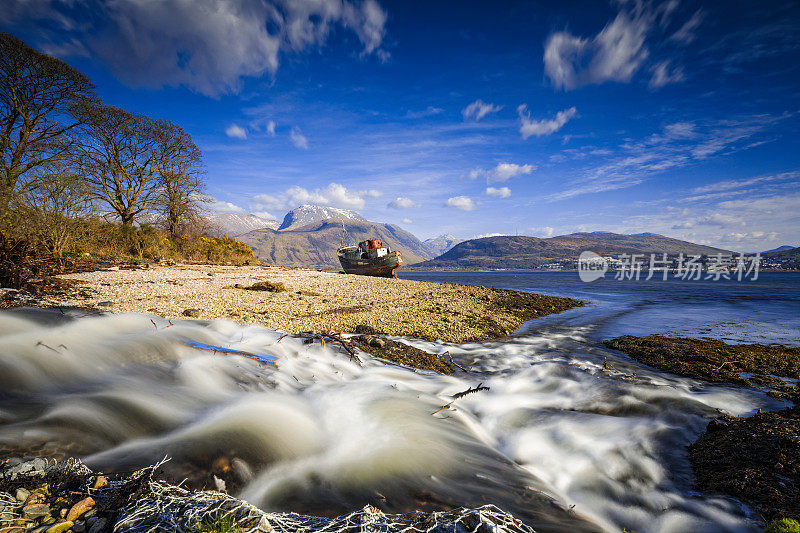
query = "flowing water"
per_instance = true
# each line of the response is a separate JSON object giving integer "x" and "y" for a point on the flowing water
{"x": 565, "y": 424}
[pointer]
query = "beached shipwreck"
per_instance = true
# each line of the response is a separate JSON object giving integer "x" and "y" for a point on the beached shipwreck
{"x": 370, "y": 258}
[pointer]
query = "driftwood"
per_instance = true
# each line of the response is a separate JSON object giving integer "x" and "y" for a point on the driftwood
{"x": 331, "y": 337}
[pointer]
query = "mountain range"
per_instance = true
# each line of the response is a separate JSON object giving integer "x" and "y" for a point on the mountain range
{"x": 235, "y": 224}
{"x": 520, "y": 252}
{"x": 439, "y": 245}
{"x": 310, "y": 235}
{"x": 315, "y": 244}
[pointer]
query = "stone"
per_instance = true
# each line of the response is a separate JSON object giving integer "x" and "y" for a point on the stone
{"x": 193, "y": 313}
{"x": 79, "y": 508}
{"x": 79, "y": 527}
{"x": 36, "y": 510}
{"x": 375, "y": 342}
{"x": 34, "y": 466}
{"x": 100, "y": 482}
{"x": 60, "y": 527}
{"x": 105, "y": 304}
{"x": 98, "y": 526}
{"x": 22, "y": 494}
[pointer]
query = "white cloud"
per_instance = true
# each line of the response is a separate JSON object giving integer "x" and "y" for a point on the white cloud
{"x": 538, "y": 128}
{"x": 501, "y": 172}
{"x": 372, "y": 193}
{"x": 685, "y": 35}
{"x": 402, "y": 202}
{"x": 334, "y": 194}
{"x": 220, "y": 206}
{"x": 407, "y": 221}
{"x": 614, "y": 54}
{"x": 544, "y": 231}
{"x": 483, "y": 235}
{"x": 265, "y": 214}
{"x": 505, "y": 171}
{"x": 236, "y": 132}
{"x": 298, "y": 139}
{"x": 213, "y": 44}
{"x": 478, "y": 109}
{"x": 475, "y": 173}
{"x": 662, "y": 75}
{"x": 617, "y": 52}
{"x": 463, "y": 203}
{"x": 502, "y": 192}
{"x": 428, "y": 112}
{"x": 677, "y": 145}
{"x": 270, "y": 128}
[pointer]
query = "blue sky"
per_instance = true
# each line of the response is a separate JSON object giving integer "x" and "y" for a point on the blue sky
{"x": 470, "y": 118}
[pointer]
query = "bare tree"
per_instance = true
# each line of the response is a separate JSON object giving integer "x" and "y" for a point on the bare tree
{"x": 121, "y": 154}
{"x": 181, "y": 181}
{"x": 37, "y": 94}
{"x": 56, "y": 207}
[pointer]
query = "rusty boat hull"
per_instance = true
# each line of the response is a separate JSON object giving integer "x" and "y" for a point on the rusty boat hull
{"x": 385, "y": 266}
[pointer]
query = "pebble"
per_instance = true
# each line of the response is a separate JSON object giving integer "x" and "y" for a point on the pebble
{"x": 36, "y": 510}
{"x": 22, "y": 494}
{"x": 100, "y": 482}
{"x": 194, "y": 313}
{"x": 60, "y": 527}
{"x": 79, "y": 508}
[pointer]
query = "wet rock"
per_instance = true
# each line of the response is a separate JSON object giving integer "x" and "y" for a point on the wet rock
{"x": 100, "y": 482}
{"x": 36, "y": 510}
{"x": 377, "y": 342}
{"x": 22, "y": 494}
{"x": 36, "y": 497}
{"x": 79, "y": 508}
{"x": 193, "y": 313}
{"x": 79, "y": 527}
{"x": 363, "y": 329}
{"x": 60, "y": 527}
{"x": 98, "y": 526}
{"x": 105, "y": 304}
{"x": 33, "y": 467}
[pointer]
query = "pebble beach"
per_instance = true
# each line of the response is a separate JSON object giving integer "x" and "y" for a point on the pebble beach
{"x": 312, "y": 300}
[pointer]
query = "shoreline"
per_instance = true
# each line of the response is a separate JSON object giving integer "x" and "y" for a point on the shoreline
{"x": 755, "y": 459}
{"x": 302, "y": 300}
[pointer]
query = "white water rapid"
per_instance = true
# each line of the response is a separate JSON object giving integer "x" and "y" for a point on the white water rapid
{"x": 317, "y": 433}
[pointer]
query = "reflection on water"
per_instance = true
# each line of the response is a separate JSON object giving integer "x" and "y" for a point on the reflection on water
{"x": 317, "y": 433}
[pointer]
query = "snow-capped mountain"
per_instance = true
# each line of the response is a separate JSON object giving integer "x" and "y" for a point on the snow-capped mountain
{"x": 439, "y": 245}
{"x": 234, "y": 224}
{"x": 308, "y": 214}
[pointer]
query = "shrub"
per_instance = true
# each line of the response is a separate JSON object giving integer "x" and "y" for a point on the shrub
{"x": 784, "y": 525}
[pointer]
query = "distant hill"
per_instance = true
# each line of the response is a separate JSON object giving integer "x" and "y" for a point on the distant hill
{"x": 519, "y": 252}
{"x": 234, "y": 224}
{"x": 308, "y": 214}
{"x": 778, "y": 249}
{"x": 315, "y": 245}
{"x": 439, "y": 245}
{"x": 787, "y": 259}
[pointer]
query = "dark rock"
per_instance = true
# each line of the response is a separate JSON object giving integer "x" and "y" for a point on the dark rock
{"x": 105, "y": 304}
{"x": 363, "y": 329}
{"x": 377, "y": 342}
{"x": 193, "y": 313}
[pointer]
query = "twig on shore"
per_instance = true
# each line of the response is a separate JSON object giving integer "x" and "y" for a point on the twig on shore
{"x": 726, "y": 363}
{"x": 40, "y": 343}
{"x": 461, "y": 394}
{"x": 332, "y": 337}
{"x": 450, "y": 357}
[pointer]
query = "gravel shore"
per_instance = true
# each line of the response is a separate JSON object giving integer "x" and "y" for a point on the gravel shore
{"x": 313, "y": 301}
